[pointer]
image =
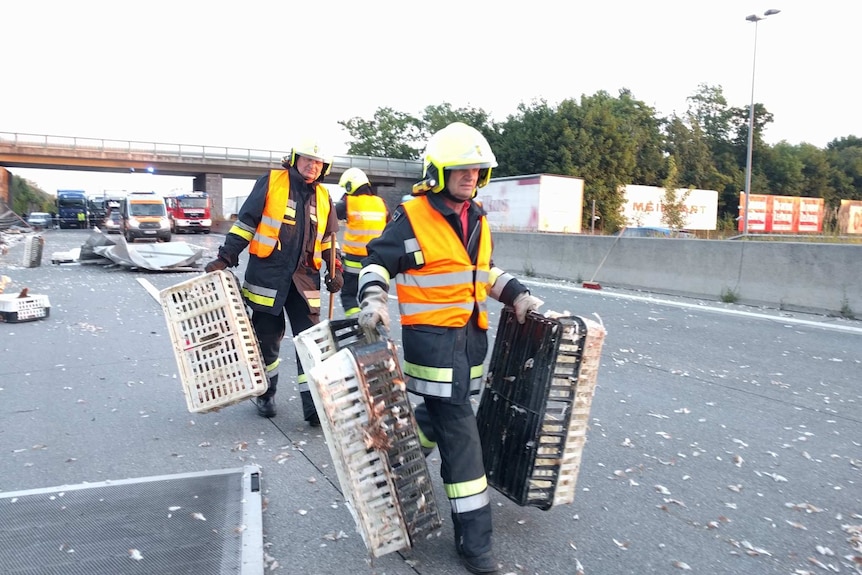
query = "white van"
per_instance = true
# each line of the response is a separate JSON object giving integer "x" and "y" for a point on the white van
{"x": 145, "y": 216}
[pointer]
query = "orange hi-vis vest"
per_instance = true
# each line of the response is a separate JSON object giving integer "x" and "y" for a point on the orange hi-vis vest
{"x": 366, "y": 218}
{"x": 280, "y": 209}
{"x": 446, "y": 290}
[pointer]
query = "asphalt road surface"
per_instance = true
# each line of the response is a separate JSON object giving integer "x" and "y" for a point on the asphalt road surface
{"x": 722, "y": 439}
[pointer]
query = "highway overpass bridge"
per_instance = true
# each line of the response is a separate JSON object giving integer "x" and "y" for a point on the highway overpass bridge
{"x": 208, "y": 165}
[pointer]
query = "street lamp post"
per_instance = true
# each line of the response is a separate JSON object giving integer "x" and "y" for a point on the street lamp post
{"x": 752, "y": 18}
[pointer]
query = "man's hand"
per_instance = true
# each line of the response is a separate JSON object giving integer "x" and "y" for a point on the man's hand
{"x": 335, "y": 282}
{"x": 373, "y": 311}
{"x": 215, "y": 265}
{"x": 524, "y": 304}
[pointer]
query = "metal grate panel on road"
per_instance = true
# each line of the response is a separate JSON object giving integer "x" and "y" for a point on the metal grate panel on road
{"x": 194, "y": 523}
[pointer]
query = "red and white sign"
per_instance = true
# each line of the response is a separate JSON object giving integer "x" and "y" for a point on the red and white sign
{"x": 781, "y": 214}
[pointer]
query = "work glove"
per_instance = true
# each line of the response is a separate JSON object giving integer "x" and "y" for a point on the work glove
{"x": 215, "y": 265}
{"x": 524, "y": 304}
{"x": 373, "y": 311}
{"x": 334, "y": 278}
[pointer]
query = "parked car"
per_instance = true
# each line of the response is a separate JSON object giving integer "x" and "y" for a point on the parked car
{"x": 654, "y": 232}
{"x": 113, "y": 222}
{"x": 40, "y": 220}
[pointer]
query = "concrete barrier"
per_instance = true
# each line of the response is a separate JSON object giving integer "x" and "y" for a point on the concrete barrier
{"x": 798, "y": 276}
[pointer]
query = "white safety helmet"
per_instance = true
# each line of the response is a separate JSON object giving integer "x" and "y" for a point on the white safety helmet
{"x": 310, "y": 149}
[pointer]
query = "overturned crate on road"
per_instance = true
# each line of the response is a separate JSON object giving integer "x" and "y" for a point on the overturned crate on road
{"x": 371, "y": 432}
{"x": 33, "y": 247}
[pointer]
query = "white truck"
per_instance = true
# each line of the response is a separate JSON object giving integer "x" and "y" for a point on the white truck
{"x": 534, "y": 203}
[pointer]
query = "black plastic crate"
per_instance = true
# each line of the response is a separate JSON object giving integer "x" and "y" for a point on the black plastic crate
{"x": 534, "y": 410}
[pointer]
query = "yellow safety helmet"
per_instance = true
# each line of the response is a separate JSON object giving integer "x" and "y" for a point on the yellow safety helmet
{"x": 458, "y": 147}
{"x": 310, "y": 149}
{"x": 353, "y": 179}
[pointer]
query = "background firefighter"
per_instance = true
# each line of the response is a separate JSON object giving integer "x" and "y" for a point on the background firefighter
{"x": 438, "y": 248}
{"x": 289, "y": 227}
{"x": 366, "y": 215}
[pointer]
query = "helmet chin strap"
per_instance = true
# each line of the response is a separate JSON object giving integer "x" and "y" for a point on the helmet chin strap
{"x": 448, "y": 196}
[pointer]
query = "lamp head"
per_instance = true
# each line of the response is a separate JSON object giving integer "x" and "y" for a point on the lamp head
{"x": 771, "y": 12}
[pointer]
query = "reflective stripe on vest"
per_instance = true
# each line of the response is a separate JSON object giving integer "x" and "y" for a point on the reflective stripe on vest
{"x": 446, "y": 290}
{"x": 279, "y": 208}
{"x": 366, "y": 218}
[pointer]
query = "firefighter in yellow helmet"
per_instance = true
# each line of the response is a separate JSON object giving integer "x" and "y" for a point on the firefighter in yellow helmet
{"x": 366, "y": 215}
{"x": 438, "y": 249}
{"x": 288, "y": 225}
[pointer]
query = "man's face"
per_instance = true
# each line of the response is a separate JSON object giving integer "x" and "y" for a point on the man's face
{"x": 309, "y": 168}
{"x": 462, "y": 183}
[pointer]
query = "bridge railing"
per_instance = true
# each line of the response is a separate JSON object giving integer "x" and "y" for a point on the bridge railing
{"x": 192, "y": 151}
{"x": 46, "y": 144}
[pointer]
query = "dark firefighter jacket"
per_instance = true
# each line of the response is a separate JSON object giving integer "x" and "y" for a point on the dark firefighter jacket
{"x": 441, "y": 358}
{"x": 303, "y": 239}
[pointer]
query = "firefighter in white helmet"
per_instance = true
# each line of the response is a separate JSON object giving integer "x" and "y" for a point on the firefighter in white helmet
{"x": 438, "y": 249}
{"x": 365, "y": 215}
{"x": 288, "y": 225}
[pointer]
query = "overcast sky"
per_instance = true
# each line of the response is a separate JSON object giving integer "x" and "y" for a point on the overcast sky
{"x": 263, "y": 74}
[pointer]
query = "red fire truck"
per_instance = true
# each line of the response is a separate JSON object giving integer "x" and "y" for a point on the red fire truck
{"x": 189, "y": 212}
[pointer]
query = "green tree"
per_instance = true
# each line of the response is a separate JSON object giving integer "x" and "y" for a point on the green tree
{"x": 435, "y": 118}
{"x": 783, "y": 168}
{"x": 845, "y": 156}
{"x": 817, "y": 174}
{"x": 390, "y": 134}
{"x": 708, "y": 108}
{"x": 673, "y": 209}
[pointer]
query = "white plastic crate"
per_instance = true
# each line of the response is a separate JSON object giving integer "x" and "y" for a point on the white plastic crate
{"x": 370, "y": 429}
{"x": 363, "y": 473}
{"x": 217, "y": 353}
{"x": 14, "y": 309}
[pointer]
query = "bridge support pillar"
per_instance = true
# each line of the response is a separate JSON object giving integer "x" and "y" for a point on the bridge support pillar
{"x": 212, "y": 185}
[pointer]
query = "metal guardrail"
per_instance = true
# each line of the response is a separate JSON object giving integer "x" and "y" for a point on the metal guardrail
{"x": 200, "y": 153}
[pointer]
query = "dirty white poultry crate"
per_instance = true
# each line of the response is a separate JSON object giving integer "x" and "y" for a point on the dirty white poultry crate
{"x": 371, "y": 432}
{"x": 217, "y": 353}
{"x": 33, "y": 246}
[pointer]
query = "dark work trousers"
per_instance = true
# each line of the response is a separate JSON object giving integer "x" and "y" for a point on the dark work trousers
{"x": 453, "y": 428}
{"x": 270, "y": 333}
{"x": 349, "y": 292}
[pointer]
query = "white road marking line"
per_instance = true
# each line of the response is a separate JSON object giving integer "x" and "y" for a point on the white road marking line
{"x": 701, "y": 307}
{"x": 151, "y": 289}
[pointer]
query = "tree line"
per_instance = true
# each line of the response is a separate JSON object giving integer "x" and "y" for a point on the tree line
{"x": 613, "y": 141}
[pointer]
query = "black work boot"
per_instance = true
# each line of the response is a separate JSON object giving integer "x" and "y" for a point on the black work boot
{"x": 473, "y": 534}
{"x": 266, "y": 402}
{"x": 309, "y": 412}
{"x": 266, "y": 406}
{"x": 484, "y": 563}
